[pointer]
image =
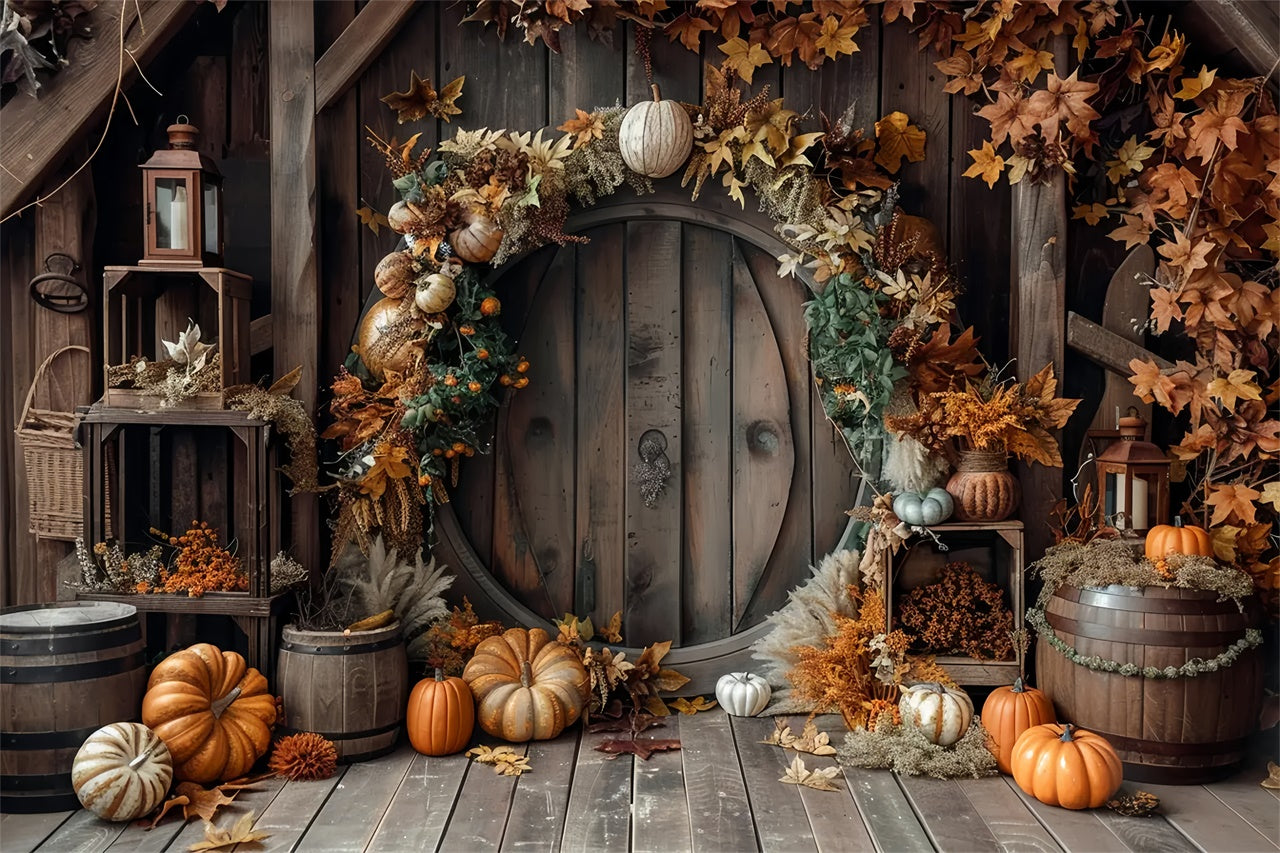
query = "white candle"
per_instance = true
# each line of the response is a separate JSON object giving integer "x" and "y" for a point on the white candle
{"x": 178, "y": 218}
{"x": 1122, "y": 501}
{"x": 1139, "y": 514}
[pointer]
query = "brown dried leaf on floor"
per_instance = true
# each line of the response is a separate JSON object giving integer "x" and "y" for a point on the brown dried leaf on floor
{"x": 809, "y": 740}
{"x": 686, "y": 706}
{"x": 642, "y": 748}
{"x": 505, "y": 760}
{"x": 202, "y": 802}
{"x": 633, "y": 723}
{"x": 241, "y": 832}
{"x": 1272, "y": 780}
{"x": 171, "y": 803}
{"x": 1137, "y": 804}
{"x": 819, "y": 778}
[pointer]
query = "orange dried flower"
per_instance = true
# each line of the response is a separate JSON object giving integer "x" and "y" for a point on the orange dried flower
{"x": 306, "y": 756}
{"x": 959, "y": 613}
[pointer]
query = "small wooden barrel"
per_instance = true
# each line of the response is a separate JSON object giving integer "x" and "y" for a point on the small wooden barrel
{"x": 65, "y": 671}
{"x": 1167, "y": 731}
{"x": 351, "y": 688}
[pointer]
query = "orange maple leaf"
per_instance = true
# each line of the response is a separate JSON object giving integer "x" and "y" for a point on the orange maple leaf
{"x": 688, "y": 29}
{"x": 1149, "y": 383}
{"x": 1186, "y": 254}
{"x": 1218, "y": 123}
{"x": 1192, "y": 87}
{"x": 1064, "y": 99}
{"x": 1092, "y": 214}
{"x": 744, "y": 58}
{"x": 795, "y": 35}
{"x": 586, "y": 126}
{"x": 1134, "y": 232}
{"x": 836, "y": 37}
{"x": 1238, "y": 385}
{"x": 1026, "y": 66}
{"x": 1008, "y": 117}
{"x": 898, "y": 138}
{"x": 1232, "y": 501}
{"x": 987, "y": 164}
{"x": 1164, "y": 308}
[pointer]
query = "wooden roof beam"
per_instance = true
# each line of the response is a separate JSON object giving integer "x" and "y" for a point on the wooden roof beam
{"x": 35, "y": 132}
{"x": 360, "y": 43}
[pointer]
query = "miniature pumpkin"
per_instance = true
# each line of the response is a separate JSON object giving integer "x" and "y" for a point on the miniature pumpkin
{"x": 942, "y": 713}
{"x": 478, "y": 240}
{"x": 122, "y": 771}
{"x": 1010, "y": 711}
{"x": 211, "y": 710}
{"x": 394, "y": 274}
{"x": 1165, "y": 539}
{"x": 1066, "y": 766}
{"x": 743, "y": 694}
{"x": 404, "y": 216}
{"x": 442, "y": 715}
{"x": 655, "y": 137}
{"x": 983, "y": 487}
{"x": 526, "y": 687}
{"x": 380, "y": 318}
{"x": 933, "y": 507}
{"x": 435, "y": 294}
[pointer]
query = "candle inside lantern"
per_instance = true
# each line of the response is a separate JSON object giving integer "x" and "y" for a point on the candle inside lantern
{"x": 178, "y": 218}
{"x": 1122, "y": 502}
{"x": 1138, "y": 517}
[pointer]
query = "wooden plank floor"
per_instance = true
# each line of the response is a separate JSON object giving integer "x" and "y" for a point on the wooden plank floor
{"x": 720, "y": 793}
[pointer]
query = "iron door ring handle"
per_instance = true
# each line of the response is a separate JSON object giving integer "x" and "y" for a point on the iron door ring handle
{"x": 63, "y": 303}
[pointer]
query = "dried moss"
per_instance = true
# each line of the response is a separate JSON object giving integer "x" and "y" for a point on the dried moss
{"x": 904, "y": 749}
{"x": 291, "y": 418}
{"x": 1104, "y": 562}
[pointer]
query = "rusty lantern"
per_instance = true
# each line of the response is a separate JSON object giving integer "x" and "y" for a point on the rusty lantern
{"x": 182, "y": 194}
{"x": 1133, "y": 480}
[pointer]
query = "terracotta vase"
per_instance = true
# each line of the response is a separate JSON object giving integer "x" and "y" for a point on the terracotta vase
{"x": 983, "y": 487}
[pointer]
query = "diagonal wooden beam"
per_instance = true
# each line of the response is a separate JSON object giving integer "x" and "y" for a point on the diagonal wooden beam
{"x": 1104, "y": 346}
{"x": 35, "y": 132}
{"x": 360, "y": 43}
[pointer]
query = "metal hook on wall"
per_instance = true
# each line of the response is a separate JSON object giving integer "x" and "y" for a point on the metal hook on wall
{"x": 60, "y": 291}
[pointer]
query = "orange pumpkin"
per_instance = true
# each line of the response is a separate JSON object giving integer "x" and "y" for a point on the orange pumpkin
{"x": 1010, "y": 711}
{"x": 442, "y": 715}
{"x": 526, "y": 687}
{"x": 1066, "y": 766}
{"x": 1165, "y": 539}
{"x": 211, "y": 710}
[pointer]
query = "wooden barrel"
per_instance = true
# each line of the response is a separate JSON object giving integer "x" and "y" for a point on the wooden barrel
{"x": 1169, "y": 730}
{"x": 351, "y": 688}
{"x": 65, "y": 670}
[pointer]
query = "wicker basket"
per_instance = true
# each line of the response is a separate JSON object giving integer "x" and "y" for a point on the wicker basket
{"x": 55, "y": 464}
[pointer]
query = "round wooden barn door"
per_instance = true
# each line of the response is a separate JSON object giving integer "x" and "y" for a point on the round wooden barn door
{"x": 669, "y": 459}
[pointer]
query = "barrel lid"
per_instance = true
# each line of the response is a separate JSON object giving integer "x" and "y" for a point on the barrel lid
{"x": 39, "y": 618}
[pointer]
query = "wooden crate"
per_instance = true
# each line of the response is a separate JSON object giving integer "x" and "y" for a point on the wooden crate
{"x": 145, "y": 305}
{"x": 996, "y": 552}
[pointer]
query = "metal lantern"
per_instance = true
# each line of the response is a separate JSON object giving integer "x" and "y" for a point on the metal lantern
{"x": 1133, "y": 480}
{"x": 182, "y": 193}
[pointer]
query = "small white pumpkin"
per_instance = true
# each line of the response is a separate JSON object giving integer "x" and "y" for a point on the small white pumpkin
{"x": 933, "y": 507}
{"x": 743, "y": 694}
{"x": 655, "y": 137}
{"x": 478, "y": 240}
{"x": 122, "y": 771}
{"x": 404, "y": 216}
{"x": 435, "y": 294}
{"x": 943, "y": 714}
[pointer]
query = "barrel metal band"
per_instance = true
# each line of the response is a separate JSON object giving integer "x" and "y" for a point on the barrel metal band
{"x": 39, "y": 803}
{"x": 52, "y": 782}
{"x": 67, "y": 739}
{"x": 1143, "y": 636}
{"x": 71, "y": 672}
{"x": 352, "y": 649}
{"x": 1093, "y": 597}
{"x": 73, "y": 643}
{"x": 1151, "y": 747}
{"x": 368, "y": 756}
{"x": 339, "y": 736}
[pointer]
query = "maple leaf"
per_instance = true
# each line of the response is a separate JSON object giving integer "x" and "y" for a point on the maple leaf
{"x": 1238, "y": 385}
{"x": 685, "y": 706}
{"x": 612, "y": 633}
{"x": 1232, "y": 501}
{"x": 819, "y": 778}
{"x": 810, "y": 740}
{"x": 894, "y": 8}
{"x": 1273, "y": 776}
{"x": 640, "y": 747}
{"x": 1129, "y": 159}
{"x": 1028, "y": 64}
{"x": 898, "y": 138}
{"x": 1193, "y": 87}
{"x": 795, "y": 35}
{"x": 1009, "y": 118}
{"x": 1092, "y": 214}
{"x": 1134, "y": 231}
{"x": 169, "y": 804}
{"x": 1149, "y": 383}
{"x": 204, "y": 803}
{"x": 242, "y": 832}
{"x": 965, "y": 76}
{"x": 421, "y": 100}
{"x": 504, "y": 759}
{"x": 372, "y": 218}
{"x": 688, "y": 29}
{"x": 1186, "y": 255}
{"x": 1064, "y": 100}
{"x": 1217, "y": 124}
{"x": 1271, "y": 495}
{"x": 836, "y": 36}
{"x": 390, "y": 462}
{"x": 585, "y": 127}
{"x": 987, "y": 164}
{"x": 1164, "y": 308}
{"x": 744, "y": 58}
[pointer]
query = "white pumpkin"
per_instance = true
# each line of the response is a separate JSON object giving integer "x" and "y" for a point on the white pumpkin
{"x": 435, "y": 294}
{"x": 655, "y": 137}
{"x": 478, "y": 240}
{"x": 122, "y": 771}
{"x": 933, "y": 507}
{"x": 743, "y": 694}
{"x": 404, "y": 216}
{"x": 943, "y": 714}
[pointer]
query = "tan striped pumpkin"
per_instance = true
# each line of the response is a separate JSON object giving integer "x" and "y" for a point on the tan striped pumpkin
{"x": 655, "y": 137}
{"x": 122, "y": 771}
